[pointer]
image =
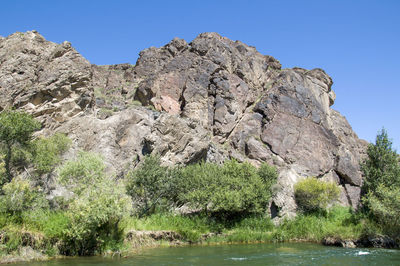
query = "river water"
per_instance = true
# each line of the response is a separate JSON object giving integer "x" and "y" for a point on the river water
{"x": 250, "y": 254}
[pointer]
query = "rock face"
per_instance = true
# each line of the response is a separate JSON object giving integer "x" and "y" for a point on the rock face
{"x": 210, "y": 99}
{"x": 51, "y": 81}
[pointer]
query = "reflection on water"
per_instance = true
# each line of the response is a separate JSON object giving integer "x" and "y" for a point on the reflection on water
{"x": 252, "y": 254}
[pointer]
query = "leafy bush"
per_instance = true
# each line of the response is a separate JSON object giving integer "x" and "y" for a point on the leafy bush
{"x": 313, "y": 195}
{"x": 95, "y": 222}
{"x": 224, "y": 190}
{"x": 231, "y": 189}
{"x": 47, "y": 152}
{"x": 20, "y": 196}
{"x": 16, "y": 128}
{"x": 87, "y": 171}
{"x": 98, "y": 207}
{"x": 150, "y": 186}
{"x": 384, "y": 205}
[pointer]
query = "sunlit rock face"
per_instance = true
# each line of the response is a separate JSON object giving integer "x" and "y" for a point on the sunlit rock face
{"x": 210, "y": 99}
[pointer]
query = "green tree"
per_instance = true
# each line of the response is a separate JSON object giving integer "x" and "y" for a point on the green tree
{"x": 381, "y": 186}
{"x": 16, "y": 128}
{"x": 381, "y": 167}
{"x": 150, "y": 186}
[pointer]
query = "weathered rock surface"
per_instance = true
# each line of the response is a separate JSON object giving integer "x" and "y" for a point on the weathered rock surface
{"x": 210, "y": 99}
{"x": 51, "y": 81}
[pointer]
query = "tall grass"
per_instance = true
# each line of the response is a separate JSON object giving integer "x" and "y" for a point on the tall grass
{"x": 43, "y": 230}
{"x": 339, "y": 222}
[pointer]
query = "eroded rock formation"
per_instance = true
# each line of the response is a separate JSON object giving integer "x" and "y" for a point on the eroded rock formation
{"x": 210, "y": 99}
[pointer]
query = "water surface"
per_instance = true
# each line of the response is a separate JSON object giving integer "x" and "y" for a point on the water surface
{"x": 251, "y": 254}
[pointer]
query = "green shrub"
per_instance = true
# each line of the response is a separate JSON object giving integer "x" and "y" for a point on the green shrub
{"x": 384, "y": 205}
{"x": 313, "y": 195}
{"x": 100, "y": 203}
{"x": 21, "y": 155}
{"x": 16, "y": 128}
{"x": 150, "y": 186}
{"x": 96, "y": 222}
{"x": 231, "y": 189}
{"x": 87, "y": 171}
{"x": 19, "y": 196}
{"x": 47, "y": 152}
{"x": 224, "y": 190}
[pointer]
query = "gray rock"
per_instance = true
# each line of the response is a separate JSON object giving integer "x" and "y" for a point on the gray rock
{"x": 53, "y": 82}
{"x": 210, "y": 99}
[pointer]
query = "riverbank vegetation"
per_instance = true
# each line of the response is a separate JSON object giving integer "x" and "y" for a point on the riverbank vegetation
{"x": 202, "y": 203}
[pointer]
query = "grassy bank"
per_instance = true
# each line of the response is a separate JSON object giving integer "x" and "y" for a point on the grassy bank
{"x": 43, "y": 231}
{"x": 101, "y": 214}
{"x": 340, "y": 222}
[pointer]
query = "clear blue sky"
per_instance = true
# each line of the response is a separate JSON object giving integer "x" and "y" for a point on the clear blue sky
{"x": 356, "y": 42}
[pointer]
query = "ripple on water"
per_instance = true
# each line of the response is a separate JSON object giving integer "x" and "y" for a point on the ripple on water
{"x": 361, "y": 253}
{"x": 238, "y": 259}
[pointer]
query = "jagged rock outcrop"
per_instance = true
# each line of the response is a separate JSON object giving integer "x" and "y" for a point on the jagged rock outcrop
{"x": 51, "y": 81}
{"x": 210, "y": 99}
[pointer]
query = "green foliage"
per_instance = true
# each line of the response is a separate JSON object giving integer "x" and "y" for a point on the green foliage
{"x": 51, "y": 223}
{"x": 269, "y": 175}
{"x": 87, "y": 171}
{"x": 150, "y": 186}
{"x": 20, "y": 196}
{"x": 381, "y": 167}
{"x": 382, "y": 184}
{"x": 98, "y": 207}
{"x": 384, "y": 205}
{"x": 47, "y": 152}
{"x": 313, "y": 195}
{"x": 3, "y": 177}
{"x": 224, "y": 190}
{"x": 230, "y": 189}
{"x": 338, "y": 223}
{"x": 94, "y": 222}
{"x": 16, "y": 128}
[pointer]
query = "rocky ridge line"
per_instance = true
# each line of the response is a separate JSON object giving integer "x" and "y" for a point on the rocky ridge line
{"x": 210, "y": 99}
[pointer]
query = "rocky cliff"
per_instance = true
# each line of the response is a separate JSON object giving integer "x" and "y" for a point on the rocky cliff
{"x": 210, "y": 99}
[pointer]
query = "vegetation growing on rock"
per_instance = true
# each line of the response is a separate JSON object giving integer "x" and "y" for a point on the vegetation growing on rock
{"x": 224, "y": 203}
{"x": 214, "y": 100}
{"x": 313, "y": 195}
